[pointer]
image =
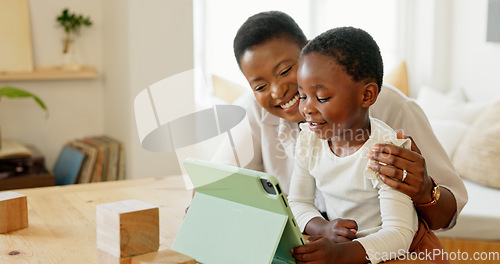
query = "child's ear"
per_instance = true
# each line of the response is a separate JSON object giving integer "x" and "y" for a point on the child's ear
{"x": 370, "y": 94}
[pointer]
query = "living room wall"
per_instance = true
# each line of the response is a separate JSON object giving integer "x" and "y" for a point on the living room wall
{"x": 75, "y": 106}
{"x": 474, "y": 62}
{"x": 446, "y": 47}
{"x": 132, "y": 44}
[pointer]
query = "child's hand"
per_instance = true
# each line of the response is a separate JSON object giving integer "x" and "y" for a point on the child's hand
{"x": 340, "y": 230}
{"x": 317, "y": 250}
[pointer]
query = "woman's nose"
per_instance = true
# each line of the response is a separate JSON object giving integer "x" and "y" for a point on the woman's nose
{"x": 278, "y": 91}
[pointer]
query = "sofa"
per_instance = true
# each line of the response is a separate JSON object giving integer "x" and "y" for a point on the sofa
{"x": 470, "y": 134}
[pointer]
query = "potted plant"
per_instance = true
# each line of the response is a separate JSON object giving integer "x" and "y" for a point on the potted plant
{"x": 72, "y": 24}
{"x": 13, "y": 92}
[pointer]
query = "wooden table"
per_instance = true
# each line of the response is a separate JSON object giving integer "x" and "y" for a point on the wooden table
{"x": 62, "y": 219}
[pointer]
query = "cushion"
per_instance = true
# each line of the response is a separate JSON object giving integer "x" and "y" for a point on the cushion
{"x": 449, "y": 133}
{"x": 449, "y": 106}
{"x": 477, "y": 157}
{"x": 398, "y": 78}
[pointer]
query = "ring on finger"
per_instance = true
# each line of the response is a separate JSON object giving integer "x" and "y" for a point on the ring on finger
{"x": 405, "y": 173}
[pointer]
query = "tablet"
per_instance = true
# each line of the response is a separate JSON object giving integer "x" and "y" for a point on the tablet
{"x": 236, "y": 216}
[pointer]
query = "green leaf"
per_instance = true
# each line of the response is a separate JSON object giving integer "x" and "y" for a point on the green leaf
{"x": 73, "y": 22}
{"x": 12, "y": 92}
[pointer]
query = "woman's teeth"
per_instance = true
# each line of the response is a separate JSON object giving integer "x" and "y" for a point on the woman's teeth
{"x": 290, "y": 103}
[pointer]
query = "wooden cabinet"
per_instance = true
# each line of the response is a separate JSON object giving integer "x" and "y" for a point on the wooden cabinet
{"x": 25, "y": 172}
{"x": 27, "y": 181}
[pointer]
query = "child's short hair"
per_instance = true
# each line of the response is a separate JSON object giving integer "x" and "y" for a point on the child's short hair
{"x": 263, "y": 26}
{"x": 352, "y": 48}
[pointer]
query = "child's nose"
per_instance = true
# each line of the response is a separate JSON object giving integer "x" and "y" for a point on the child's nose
{"x": 307, "y": 109}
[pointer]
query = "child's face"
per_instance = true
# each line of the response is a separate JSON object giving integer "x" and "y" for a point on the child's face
{"x": 271, "y": 70}
{"x": 330, "y": 100}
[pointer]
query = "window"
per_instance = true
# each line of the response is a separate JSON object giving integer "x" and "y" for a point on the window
{"x": 216, "y": 23}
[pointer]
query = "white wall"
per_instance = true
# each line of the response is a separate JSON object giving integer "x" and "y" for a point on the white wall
{"x": 427, "y": 35}
{"x": 475, "y": 62}
{"x": 75, "y": 106}
{"x": 147, "y": 41}
{"x": 447, "y": 48}
{"x": 132, "y": 44}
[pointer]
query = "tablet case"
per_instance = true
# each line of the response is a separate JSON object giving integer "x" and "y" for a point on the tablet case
{"x": 233, "y": 219}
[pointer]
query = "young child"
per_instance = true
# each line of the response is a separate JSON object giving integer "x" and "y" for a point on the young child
{"x": 339, "y": 76}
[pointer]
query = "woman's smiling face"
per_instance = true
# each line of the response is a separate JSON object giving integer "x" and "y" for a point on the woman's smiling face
{"x": 271, "y": 70}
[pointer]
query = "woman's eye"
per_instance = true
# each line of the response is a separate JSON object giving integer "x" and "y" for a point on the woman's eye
{"x": 322, "y": 100}
{"x": 260, "y": 87}
{"x": 286, "y": 71}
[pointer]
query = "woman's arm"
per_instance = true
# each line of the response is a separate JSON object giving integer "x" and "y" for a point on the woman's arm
{"x": 404, "y": 114}
{"x": 417, "y": 184}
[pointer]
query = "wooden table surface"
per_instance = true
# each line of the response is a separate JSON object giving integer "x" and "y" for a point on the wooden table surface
{"x": 62, "y": 219}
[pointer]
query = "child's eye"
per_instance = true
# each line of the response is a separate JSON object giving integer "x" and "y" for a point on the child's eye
{"x": 286, "y": 71}
{"x": 302, "y": 96}
{"x": 322, "y": 100}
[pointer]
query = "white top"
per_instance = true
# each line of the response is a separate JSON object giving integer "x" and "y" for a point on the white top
{"x": 386, "y": 218}
{"x": 274, "y": 140}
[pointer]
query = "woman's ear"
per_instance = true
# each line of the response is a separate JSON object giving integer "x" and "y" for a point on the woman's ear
{"x": 370, "y": 94}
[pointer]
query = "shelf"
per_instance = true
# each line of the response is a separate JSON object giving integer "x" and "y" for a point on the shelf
{"x": 50, "y": 73}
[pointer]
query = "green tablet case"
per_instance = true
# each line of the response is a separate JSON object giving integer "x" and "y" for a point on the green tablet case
{"x": 233, "y": 219}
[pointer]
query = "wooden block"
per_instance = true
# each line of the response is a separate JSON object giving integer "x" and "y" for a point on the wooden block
{"x": 13, "y": 211}
{"x": 105, "y": 257}
{"x": 126, "y": 228}
{"x": 167, "y": 256}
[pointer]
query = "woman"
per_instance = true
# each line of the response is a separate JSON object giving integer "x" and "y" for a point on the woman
{"x": 267, "y": 48}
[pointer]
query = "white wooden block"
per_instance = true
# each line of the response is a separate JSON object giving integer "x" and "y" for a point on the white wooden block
{"x": 126, "y": 228}
{"x": 13, "y": 211}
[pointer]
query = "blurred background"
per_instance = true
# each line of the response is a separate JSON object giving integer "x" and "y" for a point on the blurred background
{"x": 133, "y": 44}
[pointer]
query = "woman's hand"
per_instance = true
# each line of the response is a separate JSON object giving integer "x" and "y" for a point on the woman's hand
{"x": 416, "y": 184}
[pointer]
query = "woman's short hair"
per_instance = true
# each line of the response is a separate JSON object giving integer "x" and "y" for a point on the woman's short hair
{"x": 263, "y": 26}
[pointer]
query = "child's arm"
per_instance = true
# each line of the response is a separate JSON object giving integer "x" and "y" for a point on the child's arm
{"x": 399, "y": 225}
{"x": 310, "y": 221}
{"x": 337, "y": 230}
{"x": 302, "y": 195}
